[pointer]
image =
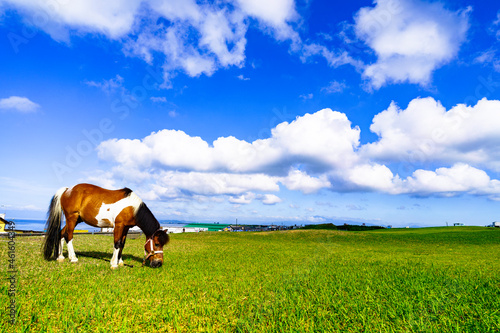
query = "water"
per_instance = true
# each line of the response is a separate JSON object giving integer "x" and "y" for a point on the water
{"x": 39, "y": 225}
{"x": 27, "y": 224}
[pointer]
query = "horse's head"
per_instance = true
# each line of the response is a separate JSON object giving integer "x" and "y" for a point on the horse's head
{"x": 153, "y": 249}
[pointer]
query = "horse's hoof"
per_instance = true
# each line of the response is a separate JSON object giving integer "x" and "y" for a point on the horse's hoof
{"x": 121, "y": 264}
{"x": 74, "y": 260}
{"x": 114, "y": 266}
{"x": 60, "y": 259}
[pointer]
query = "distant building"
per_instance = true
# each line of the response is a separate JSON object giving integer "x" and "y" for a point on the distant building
{"x": 179, "y": 230}
{"x": 208, "y": 226}
{"x": 3, "y": 223}
{"x": 495, "y": 225}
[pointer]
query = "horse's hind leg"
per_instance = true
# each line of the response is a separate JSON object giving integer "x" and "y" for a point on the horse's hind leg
{"x": 71, "y": 220}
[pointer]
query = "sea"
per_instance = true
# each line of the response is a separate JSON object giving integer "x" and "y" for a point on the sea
{"x": 39, "y": 225}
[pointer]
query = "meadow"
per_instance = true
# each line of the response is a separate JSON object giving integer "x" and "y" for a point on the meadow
{"x": 397, "y": 280}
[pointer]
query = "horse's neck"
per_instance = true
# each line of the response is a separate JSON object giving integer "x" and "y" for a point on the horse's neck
{"x": 146, "y": 221}
{"x": 149, "y": 231}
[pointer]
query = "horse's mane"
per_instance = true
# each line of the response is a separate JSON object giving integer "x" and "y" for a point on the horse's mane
{"x": 146, "y": 220}
{"x": 126, "y": 191}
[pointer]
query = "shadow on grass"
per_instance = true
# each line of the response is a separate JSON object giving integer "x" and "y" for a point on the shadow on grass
{"x": 106, "y": 256}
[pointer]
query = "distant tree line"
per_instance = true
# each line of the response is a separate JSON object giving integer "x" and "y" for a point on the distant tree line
{"x": 346, "y": 227}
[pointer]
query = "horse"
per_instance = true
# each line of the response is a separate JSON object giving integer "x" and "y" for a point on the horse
{"x": 102, "y": 208}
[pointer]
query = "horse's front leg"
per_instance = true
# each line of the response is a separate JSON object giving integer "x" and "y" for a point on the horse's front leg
{"x": 122, "y": 245}
{"x": 119, "y": 242}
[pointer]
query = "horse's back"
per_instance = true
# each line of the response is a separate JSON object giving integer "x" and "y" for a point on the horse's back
{"x": 86, "y": 199}
{"x": 94, "y": 192}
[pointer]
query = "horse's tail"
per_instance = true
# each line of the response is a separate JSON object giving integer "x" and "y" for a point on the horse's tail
{"x": 53, "y": 226}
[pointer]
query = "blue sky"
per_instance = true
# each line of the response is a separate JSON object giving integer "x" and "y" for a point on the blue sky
{"x": 384, "y": 112}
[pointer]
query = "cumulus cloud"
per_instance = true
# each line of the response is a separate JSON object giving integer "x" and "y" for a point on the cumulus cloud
{"x": 196, "y": 38}
{"x": 113, "y": 19}
{"x": 322, "y": 151}
{"x": 179, "y": 163}
{"x": 274, "y": 15}
{"x": 243, "y": 199}
{"x": 410, "y": 38}
{"x": 270, "y": 199}
{"x": 211, "y": 183}
{"x": 324, "y": 139}
{"x": 458, "y": 179}
{"x": 298, "y": 180}
{"x": 19, "y": 104}
{"x": 426, "y": 132}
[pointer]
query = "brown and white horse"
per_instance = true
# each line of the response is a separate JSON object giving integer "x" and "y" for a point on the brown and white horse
{"x": 98, "y": 207}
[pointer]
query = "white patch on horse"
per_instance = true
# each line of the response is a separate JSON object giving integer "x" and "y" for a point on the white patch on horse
{"x": 114, "y": 259}
{"x": 108, "y": 212}
{"x": 61, "y": 245}
{"x": 71, "y": 252}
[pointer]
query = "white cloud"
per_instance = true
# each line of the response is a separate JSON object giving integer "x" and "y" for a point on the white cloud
{"x": 178, "y": 163}
{"x": 334, "y": 87}
{"x": 111, "y": 18}
{"x": 458, "y": 179}
{"x": 199, "y": 38}
{"x": 161, "y": 99}
{"x": 189, "y": 37}
{"x": 19, "y": 104}
{"x": 298, "y": 180}
{"x": 108, "y": 86}
{"x": 243, "y": 78}
{"x": 219, "y": 183}
{"x": 243, "y": 199}
{"x": 410, "y": 38}
{"x": 496, "y": 26}
{"x": 333, "y": 58}
{"x": 489, "y": 58}
{"x": 322, "y": 151}
{"x": 270, "y": 199}
{"x": 275, "y": 15}
{"x": 324, "y": 139}
{"x": 374, "y": 177}
{"x": 426, "y": 132}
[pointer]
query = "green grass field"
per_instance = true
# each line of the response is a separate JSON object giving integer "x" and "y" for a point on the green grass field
{"x": 399, "y": 280}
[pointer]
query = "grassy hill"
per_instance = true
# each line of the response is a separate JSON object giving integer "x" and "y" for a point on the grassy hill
{"x": 392, "y": 280}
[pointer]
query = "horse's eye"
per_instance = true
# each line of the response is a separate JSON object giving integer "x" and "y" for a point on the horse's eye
{"x": 157, "y": 244}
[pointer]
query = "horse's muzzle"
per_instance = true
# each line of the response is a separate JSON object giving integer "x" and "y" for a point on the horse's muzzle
{"x": 156, "y": 263}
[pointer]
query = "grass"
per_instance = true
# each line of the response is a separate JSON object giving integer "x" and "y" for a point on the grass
{"x": 399, "y": 280}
